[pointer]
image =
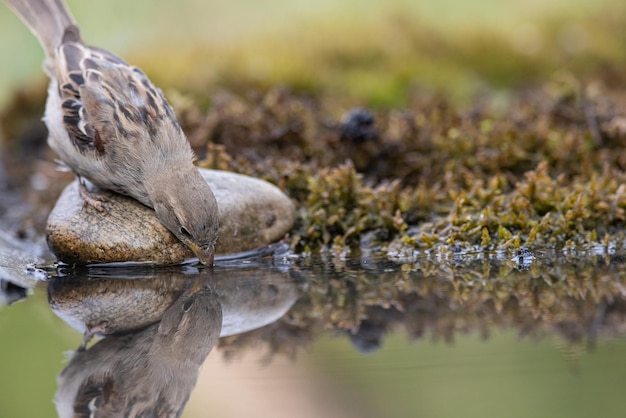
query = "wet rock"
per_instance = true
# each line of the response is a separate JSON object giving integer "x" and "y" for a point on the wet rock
{"x": 253, "y": 213}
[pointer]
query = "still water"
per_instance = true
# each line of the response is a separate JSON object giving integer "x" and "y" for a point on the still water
{"x": 509, "y": 334}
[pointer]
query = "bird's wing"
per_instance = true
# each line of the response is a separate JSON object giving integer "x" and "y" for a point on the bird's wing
{"x": 103, "y": 98}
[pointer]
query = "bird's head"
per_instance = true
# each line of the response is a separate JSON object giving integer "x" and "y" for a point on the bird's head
{"x": 185, "y": 205}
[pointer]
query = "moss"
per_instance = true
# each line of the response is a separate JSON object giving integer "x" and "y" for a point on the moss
{"x": 546, "y": 172}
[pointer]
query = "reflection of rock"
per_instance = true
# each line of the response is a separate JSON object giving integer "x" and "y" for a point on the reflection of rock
{"x": 144, "y": 373}
{"x": 253, "y": 213}
{"x": 253, "y": 297}
{"x": 146, "y": 363}
{"x": 111, "y": 301}
{"x": 111, "y": 304}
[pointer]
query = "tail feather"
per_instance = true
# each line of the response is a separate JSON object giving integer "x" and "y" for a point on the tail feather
{"x": 48, "y": 20}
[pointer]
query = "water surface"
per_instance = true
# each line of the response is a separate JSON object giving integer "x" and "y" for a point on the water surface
{"x": 517, "y": 333}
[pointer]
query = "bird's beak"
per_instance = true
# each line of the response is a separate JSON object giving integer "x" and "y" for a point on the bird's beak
{"x": 205, "y": 256}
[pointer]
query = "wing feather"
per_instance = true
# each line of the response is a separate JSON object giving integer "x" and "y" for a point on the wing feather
{"x": 104, "y": 99}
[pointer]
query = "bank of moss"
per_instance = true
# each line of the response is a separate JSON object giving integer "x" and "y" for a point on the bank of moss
{"x": 548, "y": 171}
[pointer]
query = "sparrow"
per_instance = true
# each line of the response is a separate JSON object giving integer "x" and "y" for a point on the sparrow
{"x": 110, "y": 125}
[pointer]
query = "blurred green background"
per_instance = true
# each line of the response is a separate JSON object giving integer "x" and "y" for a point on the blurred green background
{"x": 33, "y": 343}
{"x": 368, "y": 49}
{"x": 504, "y": 376}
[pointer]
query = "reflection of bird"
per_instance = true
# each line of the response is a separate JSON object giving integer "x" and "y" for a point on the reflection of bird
{"x": 111, "y": 125}
{"x": 146, "y": 374}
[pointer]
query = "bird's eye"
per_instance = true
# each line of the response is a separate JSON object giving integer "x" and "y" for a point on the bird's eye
{"x": 187, "y": 305}
{"x": 185, "y": 232}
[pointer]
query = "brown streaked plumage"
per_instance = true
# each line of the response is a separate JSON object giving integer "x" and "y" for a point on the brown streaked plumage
{"x": 112, "y": 126}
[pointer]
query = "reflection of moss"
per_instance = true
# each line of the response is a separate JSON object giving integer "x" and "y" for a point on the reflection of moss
{"x": 580, "y": 300}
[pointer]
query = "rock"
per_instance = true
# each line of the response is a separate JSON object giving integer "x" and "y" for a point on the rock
{"x": 253, "y": 213}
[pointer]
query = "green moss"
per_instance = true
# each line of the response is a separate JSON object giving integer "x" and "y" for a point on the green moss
{"x": 541, "y": 173}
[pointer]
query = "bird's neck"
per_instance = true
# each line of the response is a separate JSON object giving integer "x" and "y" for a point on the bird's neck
{"x": 168, "y": 179}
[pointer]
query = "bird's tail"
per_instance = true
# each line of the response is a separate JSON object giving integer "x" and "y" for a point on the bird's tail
{"x": 48, "y": 20}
